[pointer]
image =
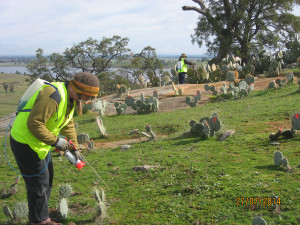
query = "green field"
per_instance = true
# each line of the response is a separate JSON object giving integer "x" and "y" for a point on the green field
{"x": 195, "y": 181}
{"x": 9, "y": 100}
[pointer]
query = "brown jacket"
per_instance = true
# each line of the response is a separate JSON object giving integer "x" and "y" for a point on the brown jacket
{"x": 44, "y": 107}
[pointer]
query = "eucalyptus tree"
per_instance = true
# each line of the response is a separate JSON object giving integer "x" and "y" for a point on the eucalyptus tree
{"x": 87, "y": 56}
{"x": 243, "y": 27}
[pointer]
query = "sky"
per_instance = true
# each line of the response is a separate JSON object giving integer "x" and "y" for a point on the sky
{"x": 54, "y": 25}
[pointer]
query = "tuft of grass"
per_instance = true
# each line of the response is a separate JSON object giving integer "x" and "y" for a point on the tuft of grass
{"x": 193, "y": 181}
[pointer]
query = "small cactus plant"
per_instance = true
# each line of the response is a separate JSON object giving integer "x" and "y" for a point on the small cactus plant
{"x": 20, "y": 210}
{"x": 279, "y": 160}
{"x": 65, "y": 192}
{"x": 193, "y": 102}
{"x": 249, "y": 79}
{"x": 206, "y": 127}
{"x": 101, "y": 201}
{"x": 121, "y": 89}
{"x": 101, "y": 127}
{"x": 120, "y": 107}
{"x": 296, "y": 121}
{"x": 83, "y": 138}
{"x": 100, "y": 106}
{"x": 91, "y": 144}
{"x": 290, "y": 77}
{"x": 143, "y": 105}
{"x": 178, "y": 91}
{"x": 272, "y": 84}
{"x": 258, "y": 221}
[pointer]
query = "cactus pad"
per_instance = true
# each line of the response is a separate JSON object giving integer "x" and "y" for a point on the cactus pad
{"x": 65, "y": 191}
{"x": 63, "y": 208}
{"x": 249, "y": 79}
{"x": 296, "y": 121}
{"x": 83, "y": 138}
{"x": 278, "y": 158}
{"x": 272, "y": 84}
{"x": 258, "y": 221}
{"x": 20, "y": 210}
{"x": 129, "y": 100}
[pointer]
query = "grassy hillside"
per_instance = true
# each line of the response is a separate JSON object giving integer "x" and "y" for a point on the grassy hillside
{"x": 195, "y": 182}
{"x": 9, "y": 100}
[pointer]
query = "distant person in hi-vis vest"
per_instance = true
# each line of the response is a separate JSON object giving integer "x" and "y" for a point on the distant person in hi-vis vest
{"x": 48, "y": 113}
{"x": 181, "y": 67}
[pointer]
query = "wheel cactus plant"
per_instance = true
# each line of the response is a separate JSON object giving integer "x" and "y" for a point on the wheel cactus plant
{"x": 101, "y": 202}
{"x": 258, "y": 221}
{"x": 296, "y": 121}
{"x": 279, "y": 160}
{"x": 120, "y": 107}
{"x": 193, "y": 103}
{"x": 65, "y": 192}
{"x": 20, "y": 211}
{"x": 206, "y": 127}
{"x": 290, "y": 77}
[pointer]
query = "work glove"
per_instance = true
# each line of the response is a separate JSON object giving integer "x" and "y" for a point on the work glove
{"x": 62, "y": 144}
{"x": 76, "y": 153}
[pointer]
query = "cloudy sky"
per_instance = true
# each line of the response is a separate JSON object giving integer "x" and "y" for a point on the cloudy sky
{"x": 55, "y": 25}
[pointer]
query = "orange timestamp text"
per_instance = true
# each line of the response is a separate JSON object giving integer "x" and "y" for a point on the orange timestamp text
{"x": 257, "y": 201}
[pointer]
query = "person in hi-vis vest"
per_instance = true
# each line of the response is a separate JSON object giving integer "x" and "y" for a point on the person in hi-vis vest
{"x": 48, "y": 113}
{"x": 183, "y": 70}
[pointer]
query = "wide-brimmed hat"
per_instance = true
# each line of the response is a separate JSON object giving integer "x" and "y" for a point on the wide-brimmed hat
{"x": 85, "y": 84}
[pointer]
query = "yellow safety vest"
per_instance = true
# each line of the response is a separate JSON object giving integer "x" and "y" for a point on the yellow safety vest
{"x": 184, "y": 67}
{"x": 22, "y": 134}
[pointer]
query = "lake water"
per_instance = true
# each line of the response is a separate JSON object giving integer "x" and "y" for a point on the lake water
{"x": 13, "y": 69}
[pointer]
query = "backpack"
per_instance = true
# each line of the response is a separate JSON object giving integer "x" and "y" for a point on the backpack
{"x": 178, "y": 65}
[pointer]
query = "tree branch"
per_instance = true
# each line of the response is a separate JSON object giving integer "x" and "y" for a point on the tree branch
{"x": 202, "y": 10}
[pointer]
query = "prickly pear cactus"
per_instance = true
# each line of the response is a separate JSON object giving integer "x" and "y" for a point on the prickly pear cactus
{"x": 206, "y": 131}
{"x": 284, "y": 162}
{"x": 272, "y": 84}
{"x": 278, "y": 158}
{"x": 231, "y": 76}
{"x": 296, "y": 121}
{"x": 290, "y": 77}
{"x": 215, "y": 124}
{"x": 120, "y": 107}
{"x": 100, "y": 198}
{"x": 187, "y": 100}
{"x": 155, "y": 94}
{"x": 129, "y": 100}
{"x": 249, "y": 79}
{"x": 91, "y": 144}
{"x": 65, "y": 190}
{"x": 206, "y": 87}
{"x": 63, "y": 208}
{"x": 83, "y": 138}
{"x": 20, "y": 210}
{"x": 101, "y": 127}
{"x": 258, "y": 221}
{"x": 100, "y": 106}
